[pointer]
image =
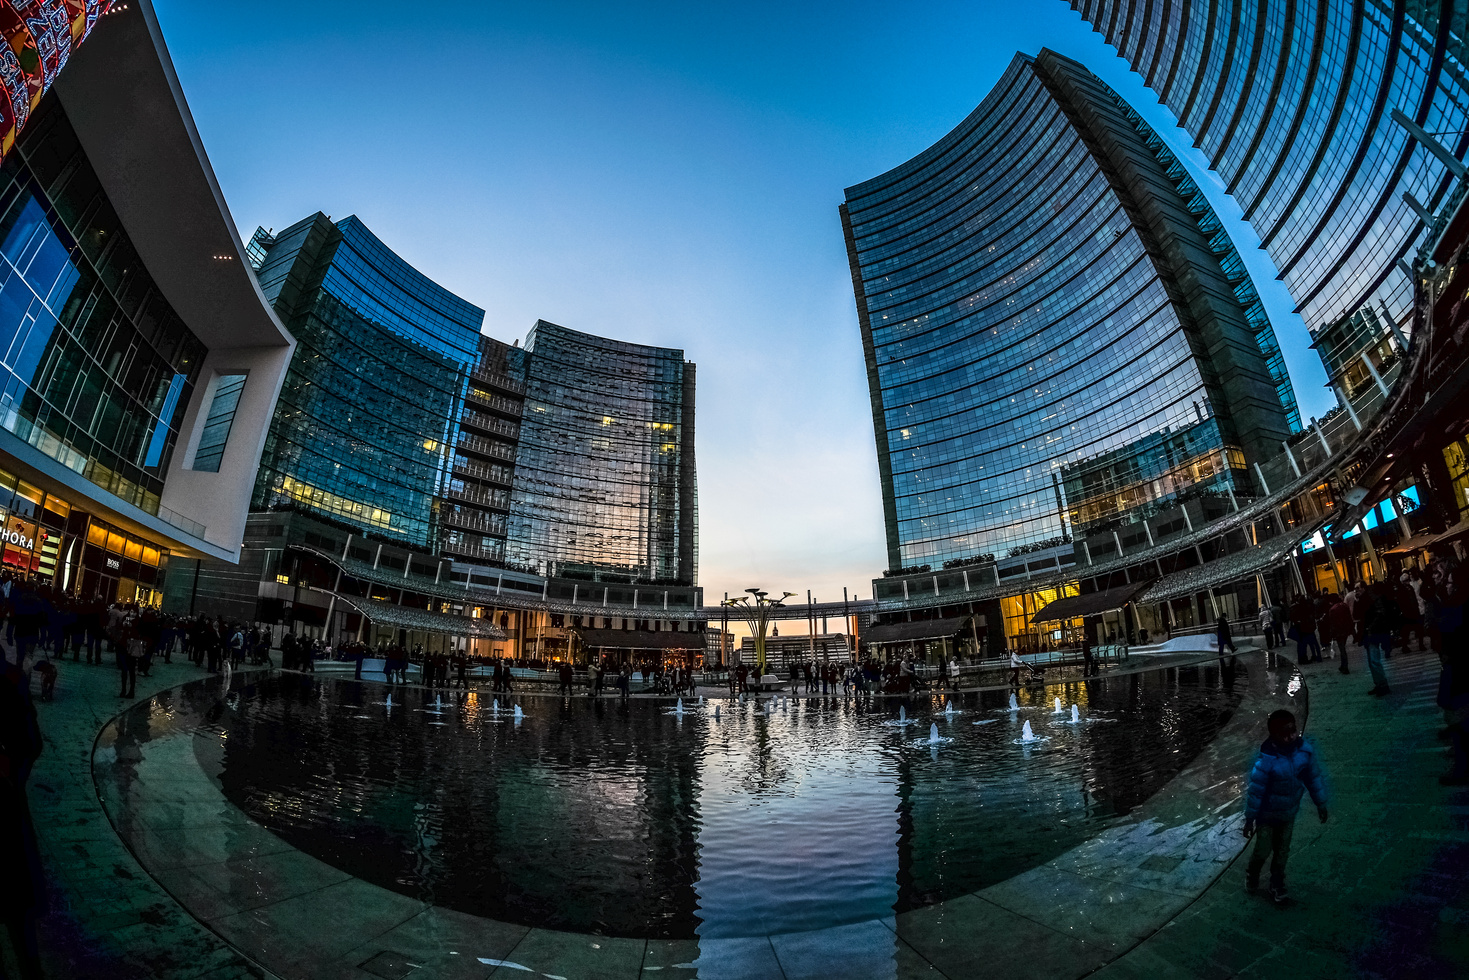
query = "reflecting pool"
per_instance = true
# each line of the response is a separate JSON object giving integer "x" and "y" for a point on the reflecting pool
{"x": 622, "y": 818}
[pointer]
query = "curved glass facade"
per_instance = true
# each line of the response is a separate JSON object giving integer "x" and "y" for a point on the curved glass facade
{"x": 1292, "y": 103}
{"x": 369, "y": 409}
{"x": 1036, "y": 292}
{"x": 604, "y": 473}
{"x": 96, "y": 365}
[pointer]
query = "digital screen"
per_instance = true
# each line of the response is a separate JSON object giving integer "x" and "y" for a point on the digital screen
{"x": 40, "y": 36}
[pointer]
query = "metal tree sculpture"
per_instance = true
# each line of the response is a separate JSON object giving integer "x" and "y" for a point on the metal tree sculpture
{"x": 756, "y": 608}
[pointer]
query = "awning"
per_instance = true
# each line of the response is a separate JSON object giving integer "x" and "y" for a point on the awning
{"x": 406, "y": 617}
{"x": 1077, "y": 606}
{"x": 1411, "y": 544}
{"x": 640, "y": 639}
{"x": 1457, "y": 531}
{"x": 923, "y": 629}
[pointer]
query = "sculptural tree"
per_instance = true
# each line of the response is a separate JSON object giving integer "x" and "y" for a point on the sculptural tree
{"x": 757, "y": 609}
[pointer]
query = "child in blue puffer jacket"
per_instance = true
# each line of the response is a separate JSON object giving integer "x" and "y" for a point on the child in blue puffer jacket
{"x": 1284, "y": 771}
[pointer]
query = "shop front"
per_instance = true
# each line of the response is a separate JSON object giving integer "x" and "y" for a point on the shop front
{"x": 49, "y": 541}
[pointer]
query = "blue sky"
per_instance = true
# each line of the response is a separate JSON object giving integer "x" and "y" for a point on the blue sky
{"x": 657, "y": 172}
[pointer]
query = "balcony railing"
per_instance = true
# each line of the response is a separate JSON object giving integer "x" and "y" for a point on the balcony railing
{"x": 485, "y": 447}
{"x": 481, "y": 471}
{"x": 489, "y": 423}
{"x": 481, "y": 496}
{"x": 486, "y": 524}
{"x": 496, "y": 380}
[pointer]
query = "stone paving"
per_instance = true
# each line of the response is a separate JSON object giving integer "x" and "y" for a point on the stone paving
{"x": 107, "y": 917}
{"x": 1379, "y": 891}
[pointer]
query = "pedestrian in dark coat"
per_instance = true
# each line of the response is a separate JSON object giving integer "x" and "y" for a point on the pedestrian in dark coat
{"x": 23, "y": 894}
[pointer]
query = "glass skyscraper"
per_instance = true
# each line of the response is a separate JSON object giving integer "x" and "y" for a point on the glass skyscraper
{"x": 604, "y": 474}
{"x": 370, "y": 406}
{"x": 1294, "y": 104}
{"x": 1058, "y": 333}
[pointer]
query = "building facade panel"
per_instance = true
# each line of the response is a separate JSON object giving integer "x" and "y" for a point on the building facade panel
{"x": 1317, "y": 161}
{"x": 371, "y": 403}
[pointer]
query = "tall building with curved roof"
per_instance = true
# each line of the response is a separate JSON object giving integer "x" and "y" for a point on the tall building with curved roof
{"x": 1308, "y": 111}
{"x": 1059, "y": 335}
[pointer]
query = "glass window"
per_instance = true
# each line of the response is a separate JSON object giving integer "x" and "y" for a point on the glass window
{"x": 217, "y": 423}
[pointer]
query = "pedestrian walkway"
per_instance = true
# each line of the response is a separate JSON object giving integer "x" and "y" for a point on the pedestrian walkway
{"x": 1382, "y": 889}
{"x": 107, "y": 918}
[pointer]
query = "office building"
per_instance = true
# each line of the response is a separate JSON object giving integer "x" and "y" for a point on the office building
{"x": 1058, "y": 334}
{"x": 424, "y": 483}
{"x": 604, "y": 472}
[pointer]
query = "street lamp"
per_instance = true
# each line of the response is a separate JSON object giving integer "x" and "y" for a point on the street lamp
{"x": 757, "y": 608}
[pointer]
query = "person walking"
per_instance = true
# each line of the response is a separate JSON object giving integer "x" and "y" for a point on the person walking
{"x": 1267, "y": 626}
{"x": 564, "y": 673}
{"x": 1284, "y": 771}
{"x": 129, "y": 653}
{"x": 1015, "y": 665}
{"x": 1339, "y": 626}
{"x": 1380, "y": 625}
{"x": 1303, "y": 624}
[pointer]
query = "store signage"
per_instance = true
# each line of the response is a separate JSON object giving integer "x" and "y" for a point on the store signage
{"x": 114, "y": 564}
{"x": 12, "y": 536}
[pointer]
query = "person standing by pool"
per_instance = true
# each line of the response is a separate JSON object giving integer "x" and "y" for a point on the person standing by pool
{"x": 1284, "y": 771}
{"x": 1303, "y": 624}
{"x": 1015, "y": 665}
{"x": 1223, "y": 637}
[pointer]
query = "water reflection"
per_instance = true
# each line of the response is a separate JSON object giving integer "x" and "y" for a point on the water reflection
{"x": 621, "y": 819}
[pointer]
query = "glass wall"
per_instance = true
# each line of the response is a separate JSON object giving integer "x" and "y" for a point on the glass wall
{"x": 367, "y": 414}
{"x": 1019, "y": 320}
{"x": 95, "y": 365}
{"x": 603, "y": 475}
{"x": 1292, "y": 103}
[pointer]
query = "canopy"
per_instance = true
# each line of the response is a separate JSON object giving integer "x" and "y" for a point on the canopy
{"x": 406, "y": 617}
{"x": 640, "y": 639}
{"x": 923, "y": 629}
{"x": 1457, "y": 531}
{"x": 1411, "y": 544}
{"x": 1077, "y": 606}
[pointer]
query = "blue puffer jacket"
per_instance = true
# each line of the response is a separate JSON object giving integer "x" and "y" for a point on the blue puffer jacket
{"x": 1282, "y": 774}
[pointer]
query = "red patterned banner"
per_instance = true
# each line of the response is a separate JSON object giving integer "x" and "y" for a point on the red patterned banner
{"x": 39, "y": 37}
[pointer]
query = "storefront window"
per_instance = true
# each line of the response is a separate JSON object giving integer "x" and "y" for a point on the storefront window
{"x": 1022, "y": 634}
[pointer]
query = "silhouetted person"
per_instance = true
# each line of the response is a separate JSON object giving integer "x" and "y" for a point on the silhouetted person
{"x": 1223, "y": 635}
{"x": 22, "y": 889}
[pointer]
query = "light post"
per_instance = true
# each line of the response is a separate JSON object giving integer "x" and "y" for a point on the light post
{"x": 757, "y": 608}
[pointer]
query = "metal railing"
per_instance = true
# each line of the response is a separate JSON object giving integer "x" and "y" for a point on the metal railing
{"x": 485, "y": 447}
{"x": 497, "y": 380}
{"x": 491, "y": 424}
{"x": 175, "y": 519}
